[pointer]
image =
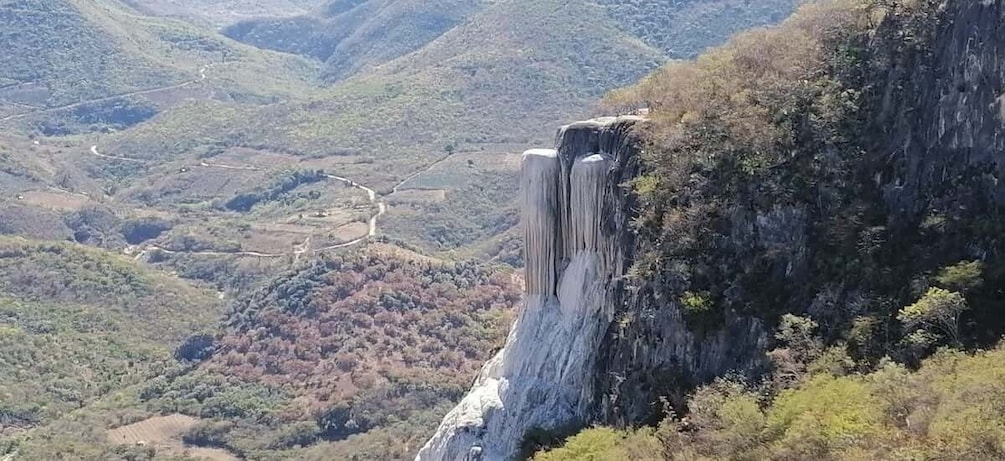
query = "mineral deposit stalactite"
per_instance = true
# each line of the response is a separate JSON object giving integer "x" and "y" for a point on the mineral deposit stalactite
{"x": 543, "y": 377}
{"x": 539, "y": 173}
{"x": 588, "y": 178}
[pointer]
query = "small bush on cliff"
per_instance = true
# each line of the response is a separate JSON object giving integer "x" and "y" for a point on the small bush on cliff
{"x": 937, "y": 314}
{"x": 961, "y": 277}
{"x": 604, "y": 444}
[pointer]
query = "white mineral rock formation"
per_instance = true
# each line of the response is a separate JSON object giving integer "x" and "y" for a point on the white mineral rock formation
{"x": 543, "y": 376}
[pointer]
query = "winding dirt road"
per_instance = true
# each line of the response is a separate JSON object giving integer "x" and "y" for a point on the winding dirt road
{"x": 255, "y": 254}
{"x": 206, "y": 164}
{"x": 303, "y": 248}
{"x": 202, "y": 76}
{"x": 94, "y": 151}
{"x": 299, "y": 250}
{"x": 394, "y": 190}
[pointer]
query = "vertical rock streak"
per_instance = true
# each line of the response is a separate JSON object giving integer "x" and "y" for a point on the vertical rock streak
{"x": 539, "y": 173}
{"x": 544, "y": 376}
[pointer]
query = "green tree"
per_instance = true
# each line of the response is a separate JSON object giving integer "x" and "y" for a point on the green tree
{"x": 961, "y": 277}
{"x": 935, "y": 314}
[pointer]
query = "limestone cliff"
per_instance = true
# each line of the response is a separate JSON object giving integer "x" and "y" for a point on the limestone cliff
{"x": 922, "y": 194}
{"x": 918, "y": 190}
{"x": 573, "y": 222}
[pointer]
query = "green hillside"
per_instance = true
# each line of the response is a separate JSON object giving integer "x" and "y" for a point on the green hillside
{"x": 352, "y": 355}
{"x": 349, "y": 35}
{"x": 78, "y": 324}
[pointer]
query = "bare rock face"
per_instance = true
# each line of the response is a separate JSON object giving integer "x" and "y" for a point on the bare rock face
{"x": 544, "y": 377}
{"x": 942, "y": 111}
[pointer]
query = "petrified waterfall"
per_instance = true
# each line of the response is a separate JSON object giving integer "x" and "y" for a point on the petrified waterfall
{"x": 543, "y": 377}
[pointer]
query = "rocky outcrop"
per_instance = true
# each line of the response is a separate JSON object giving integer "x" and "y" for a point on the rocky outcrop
{"x": 573, "y": 357}
{"x": 597, "y": 343}
{"x": 544, "y": 377}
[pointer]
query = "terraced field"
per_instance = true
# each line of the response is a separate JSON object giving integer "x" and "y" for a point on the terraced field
{"x": 164, "y": 434}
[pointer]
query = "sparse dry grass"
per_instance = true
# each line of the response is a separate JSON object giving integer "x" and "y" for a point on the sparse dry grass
{"x": 55, "y": 200}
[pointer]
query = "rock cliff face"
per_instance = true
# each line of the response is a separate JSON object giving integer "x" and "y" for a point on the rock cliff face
{"x": 598, "y": 344}
{"x": 941, "y": 110}
{"x": 647, "y": 349}
{"x": 934, "y": 144}
{"x": 572, "y": 217}
{"x": 934, "y": 152}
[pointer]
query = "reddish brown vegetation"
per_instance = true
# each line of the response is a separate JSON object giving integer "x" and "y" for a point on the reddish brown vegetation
{"x": 348, "y": 324}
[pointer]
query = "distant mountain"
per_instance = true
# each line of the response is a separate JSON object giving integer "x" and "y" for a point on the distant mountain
{"x": 72, "y": 66}
{"x": 349, "y": 35}
{"x": 220, "y": 13}
{"x": 412, "y": 81}
{"x": 683, "y": 28}
{"x": 352, "y": 34}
